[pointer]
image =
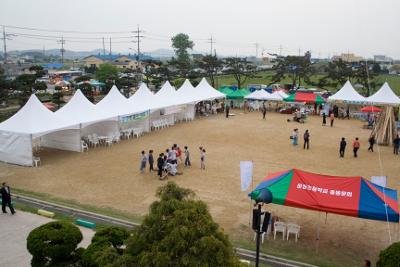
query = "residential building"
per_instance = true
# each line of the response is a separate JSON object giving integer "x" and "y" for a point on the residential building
{"x": 347, "y": 57}
{"x": 122, "y": 62}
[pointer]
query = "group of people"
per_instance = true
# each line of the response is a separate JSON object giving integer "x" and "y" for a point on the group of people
{"x": 356, "y": 147}
{"x": 167, "y": 163}
{"x": 306, "y": 137}
{"x": 331, "y": 117}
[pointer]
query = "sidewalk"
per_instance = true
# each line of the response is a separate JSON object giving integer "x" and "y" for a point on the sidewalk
{"x": 14, "y": 229}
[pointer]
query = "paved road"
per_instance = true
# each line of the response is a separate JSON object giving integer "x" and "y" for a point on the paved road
{"x": 14, "y": 230}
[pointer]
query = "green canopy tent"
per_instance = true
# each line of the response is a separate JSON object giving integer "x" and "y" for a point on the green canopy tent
{"x": 225, "y": 90}
{"x": 238, "y": 94}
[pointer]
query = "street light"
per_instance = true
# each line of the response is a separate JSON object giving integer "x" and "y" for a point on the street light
{"x": 264, "y": 196}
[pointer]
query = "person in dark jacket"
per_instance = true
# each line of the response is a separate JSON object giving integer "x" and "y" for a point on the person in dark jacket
{"x": 151, "y": 160}
{"x": 306, "y": 140}
{"x": 6, "y": 198}
{"x": 371, "y": 142}
{"x": 323, "y": 119}
{"x": 342, "y": 147}
{"x": 160, "y": 164}
{"x": 396, "y": 145}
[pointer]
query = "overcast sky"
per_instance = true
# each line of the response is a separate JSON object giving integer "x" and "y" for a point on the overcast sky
{"x": 326, "y": 27}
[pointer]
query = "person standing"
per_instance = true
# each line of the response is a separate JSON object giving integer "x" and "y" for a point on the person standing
{"x": 332, "y": 117}
{"x": 356, "y": 147}
{"x": 187, "y": 157}
{"x": 306, "y": 140}
{"x": 323, "y": 119}
{"x": 227, "y": 111}
{"x": 151, "y": 160}
{"x": 160, "y": 164}
{"x": 371, "y": 142}
{"x": 203, "y": 159}
{"x": 6, "y": 198}
{"x": 396, "y": 145}
{"x": 342, "y": 147}
{"x": 295, "y": 136}
{"x": 348, "y": 113}
{"x": 264, "y": 110}
{"x": 143, "y": 162}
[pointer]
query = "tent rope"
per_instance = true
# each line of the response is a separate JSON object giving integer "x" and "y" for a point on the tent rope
{"x": 384, "y": 194}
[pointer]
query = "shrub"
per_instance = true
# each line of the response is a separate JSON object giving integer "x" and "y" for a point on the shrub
{"x": 390, "y": 257}
{"x": 53, "y": 243}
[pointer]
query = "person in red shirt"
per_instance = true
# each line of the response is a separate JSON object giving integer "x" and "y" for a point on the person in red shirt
{"x": 332, "y": 117}
{"x": 356, "y": 147}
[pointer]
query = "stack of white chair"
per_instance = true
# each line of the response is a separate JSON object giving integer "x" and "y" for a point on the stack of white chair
{"x": 292, "y": 228}
{"x": 84, "y": 146}
{"x": 36, "y": 161}
{"x": 280, "y": 227}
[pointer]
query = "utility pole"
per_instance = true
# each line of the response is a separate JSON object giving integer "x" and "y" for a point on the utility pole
{"x": 138, "y": 36}
{"x": 44, "y": 51}
{"x": 104, "y": 48}
{"x": 5, "y": 38}
{"x": 211, "y": 41}
{"x": 256, "y": 45}
{"x": 62, "y": 50}
{"x": 110, "y": 48}
{"x": 280, "y": 50}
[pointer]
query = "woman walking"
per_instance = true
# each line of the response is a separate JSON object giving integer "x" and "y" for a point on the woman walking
{"x": 306, "y": 140}
{"x": 203, "y": 159}
{"x": 371, "y": 142}
{"x": 295, "y": 136}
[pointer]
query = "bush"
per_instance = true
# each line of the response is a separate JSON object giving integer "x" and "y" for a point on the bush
{"x": 105, "y": 247}
{"x": 53, "y": 243}
{"x": 390, "y": 257}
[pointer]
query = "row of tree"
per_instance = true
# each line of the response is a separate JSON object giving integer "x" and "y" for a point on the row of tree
{"x": 178, "y": 231}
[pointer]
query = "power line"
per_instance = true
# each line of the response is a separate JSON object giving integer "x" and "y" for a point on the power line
{"x": 63, "y": 31}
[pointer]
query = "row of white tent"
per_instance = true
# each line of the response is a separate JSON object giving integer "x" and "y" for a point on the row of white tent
{"x": 65, "y": 128}
{"x": 384, "y": 96}
{"x": 263, "y": 95}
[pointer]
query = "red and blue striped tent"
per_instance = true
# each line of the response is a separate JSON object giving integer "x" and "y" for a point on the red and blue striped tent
{"x": 350, "y": 196}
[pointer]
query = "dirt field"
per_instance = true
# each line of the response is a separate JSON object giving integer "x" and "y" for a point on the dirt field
{"x": 110, "y": 177}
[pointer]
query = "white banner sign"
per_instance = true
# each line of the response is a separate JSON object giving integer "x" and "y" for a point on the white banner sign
{"x": 246, "y": 174}
{"x": 379, "y": 180}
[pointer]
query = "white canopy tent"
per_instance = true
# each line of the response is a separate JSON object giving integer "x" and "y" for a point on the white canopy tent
{"x": 264, "y": 96}
{"x": 384, "y": 96}
{"x": 33, "y": 121}
{"x": 204, "y": 91}
{"x": 347, "y": 94}
{"x": 91, "y": 118}
{"x": 282, "y": 94}
{"x": 187, "y": 92}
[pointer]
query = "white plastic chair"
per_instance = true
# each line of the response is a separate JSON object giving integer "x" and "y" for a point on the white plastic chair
{"x": 292, "y": 228}
{"x": 84, "y": 146}
{"x": 36, "y": 161}
{"x": 280, "y": 227}
{"x": 116, "y": 138}
{"x": 109, "y": 141}
{"x": 95, "y": 140}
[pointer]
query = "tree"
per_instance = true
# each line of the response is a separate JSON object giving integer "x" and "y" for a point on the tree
{"x": 178, "y": 231}
{"x": 339, "y": 72}
{"x": 39, "y": 86}
{"x": 39, "y": 72}
{"x": 83, "y": 78}
{"x": 390, "y": 256}
{"x": 240, "y": 68}
{"x": 4, "y": 88}
{"x": 54, "y": 243}
{"x": 105, "y": 247}
{"x": 58, "y": 96}
{"x": 107, "y": 73}
{"x": 181, "y": 43}
{"x": 87, "y": 90}
{"x": 298, "y": 67}
{"x": 212, "y": 65}
{"x": 23, "y": 84}
{"x": 364, "y": 76}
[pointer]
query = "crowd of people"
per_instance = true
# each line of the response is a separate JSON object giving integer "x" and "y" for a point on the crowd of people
{"x": 168, "y": 161}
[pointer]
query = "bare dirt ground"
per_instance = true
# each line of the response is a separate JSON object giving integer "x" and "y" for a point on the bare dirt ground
{"x": 110, "y": 177}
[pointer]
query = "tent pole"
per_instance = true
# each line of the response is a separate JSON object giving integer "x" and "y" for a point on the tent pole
{"x": 317, "y": 239}
{"x": 326, "y": 217}
{"x": 80, "y": 136}
{"x": 251, "y": 208}
{"x": 31, "y": 149}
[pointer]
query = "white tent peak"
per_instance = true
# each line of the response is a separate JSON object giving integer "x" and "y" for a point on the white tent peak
{"x": 205, "y": 91}
{"x": 186, "y": 84}
{"x": 384, "y": 95}
{"x": 347, "y": 94}
{"x": 77, "y": 101}
{"x": 167, "y": 90}
{"x": 142, "y": 92}
{"x": 34, "y": 118}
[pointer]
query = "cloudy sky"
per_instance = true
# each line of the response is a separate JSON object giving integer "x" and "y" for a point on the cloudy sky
{"x": 326, "y": 27}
